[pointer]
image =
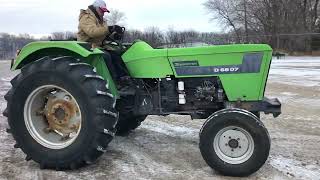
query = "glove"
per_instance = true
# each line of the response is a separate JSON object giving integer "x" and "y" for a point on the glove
{"x": 117, "y": 37}
{"x": 116, "y": 28}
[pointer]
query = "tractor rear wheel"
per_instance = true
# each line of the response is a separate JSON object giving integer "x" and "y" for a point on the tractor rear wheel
{"x": 61, "y": 113}
{"x": 126, "y": 123}
{"x": 127, "y": 120}
{"x": 234, "y": 142}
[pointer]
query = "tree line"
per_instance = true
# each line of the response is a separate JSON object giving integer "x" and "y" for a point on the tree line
{"x": 284, "y": 24}
{"x": 10, "y": 43}
{"x": 152, "y": 35}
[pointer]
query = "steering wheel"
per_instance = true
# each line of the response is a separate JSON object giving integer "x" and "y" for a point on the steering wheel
{"x": 116, "y": 35}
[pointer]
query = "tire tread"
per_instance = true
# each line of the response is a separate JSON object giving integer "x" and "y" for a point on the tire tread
{"x": 84, "y": 74}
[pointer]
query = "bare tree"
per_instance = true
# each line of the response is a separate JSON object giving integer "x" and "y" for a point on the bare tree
{"x": 70, "y": 36}
{"x": 153, "y": 36}
{"x": 172, "y": 37}
{"x": 67, "y": 35}
{"x": 131, "y": 35}
{"x": 10, "y": 43}
{"x": 116, "y": 17}
{"x": 226, "y": 12}
{"x": 267, "y": 20}
{"x": 57, "y": 36}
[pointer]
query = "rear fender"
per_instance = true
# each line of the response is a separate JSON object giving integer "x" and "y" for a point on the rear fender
{"x": 83, "y": 51}
{"x": 35, "y": 50}
{"x": 101, "y": 68}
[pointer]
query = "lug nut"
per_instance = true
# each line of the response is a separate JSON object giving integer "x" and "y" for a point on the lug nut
{"x": 40, "y": 113}
{"x": 67, "y": 98}
{"x": 47, "y": 130}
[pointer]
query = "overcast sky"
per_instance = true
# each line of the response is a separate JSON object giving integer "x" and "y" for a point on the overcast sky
{"x": 45, "y": 16}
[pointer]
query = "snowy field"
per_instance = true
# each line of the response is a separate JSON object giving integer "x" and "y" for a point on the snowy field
{"x": 294, "y": 69}
{"x": 167, "y": 147}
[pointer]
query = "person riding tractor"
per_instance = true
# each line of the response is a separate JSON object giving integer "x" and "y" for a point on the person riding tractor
{"x": 93, "y": 28}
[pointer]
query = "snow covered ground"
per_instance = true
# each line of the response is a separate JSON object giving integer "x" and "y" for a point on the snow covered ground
{"x": 167, "y": 147}
{"x": 303, "y": 71}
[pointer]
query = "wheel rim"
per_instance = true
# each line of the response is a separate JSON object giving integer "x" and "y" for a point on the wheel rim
{"x": 233, "y": 145}
{"x": 52, "y": 116}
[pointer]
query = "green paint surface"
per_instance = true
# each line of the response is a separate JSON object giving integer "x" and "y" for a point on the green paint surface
{"x": 72, "y": 46}
{"x": 143, "y": 61}
{"x": 101, "y": 68}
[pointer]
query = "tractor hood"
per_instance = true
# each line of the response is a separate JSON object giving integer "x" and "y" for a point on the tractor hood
{"x": 240, "y": 65}
{"x": 220, "y": 49}
{"x": 142, "y": 50}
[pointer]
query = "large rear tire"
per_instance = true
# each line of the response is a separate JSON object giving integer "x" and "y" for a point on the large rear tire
{"x": 126, "y": 124}
{"x": 61, "y": 113}
{"x": 234, "y": 142}
{"x": 127, "y": 120}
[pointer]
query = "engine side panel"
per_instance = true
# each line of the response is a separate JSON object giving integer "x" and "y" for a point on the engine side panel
{"x": 242, "y": 74}
{"x": 156, "y": 67}
{"x": 242, "y": 69}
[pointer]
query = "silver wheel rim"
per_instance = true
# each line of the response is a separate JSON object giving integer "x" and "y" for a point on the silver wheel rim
{"x": 52, "y": 117}
{"x": 233, "y": 145}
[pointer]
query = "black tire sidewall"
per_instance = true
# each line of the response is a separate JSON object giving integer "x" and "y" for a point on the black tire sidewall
{"x": 126, "y": 123}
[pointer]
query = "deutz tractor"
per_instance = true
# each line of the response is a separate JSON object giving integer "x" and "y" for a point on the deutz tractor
{"x": 64, "y": 108}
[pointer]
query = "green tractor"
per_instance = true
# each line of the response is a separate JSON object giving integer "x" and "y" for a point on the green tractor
{"x": 64, "y": 108}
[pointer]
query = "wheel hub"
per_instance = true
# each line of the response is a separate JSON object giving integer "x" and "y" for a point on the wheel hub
{"x": 59, "y": 112}
{"x": 233, "y": 143}
{"x": 52, "y": 116}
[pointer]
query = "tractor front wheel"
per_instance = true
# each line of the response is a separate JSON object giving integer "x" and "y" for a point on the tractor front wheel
{"x": 61, "y": 113}
{"x": 234, "y": 142}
